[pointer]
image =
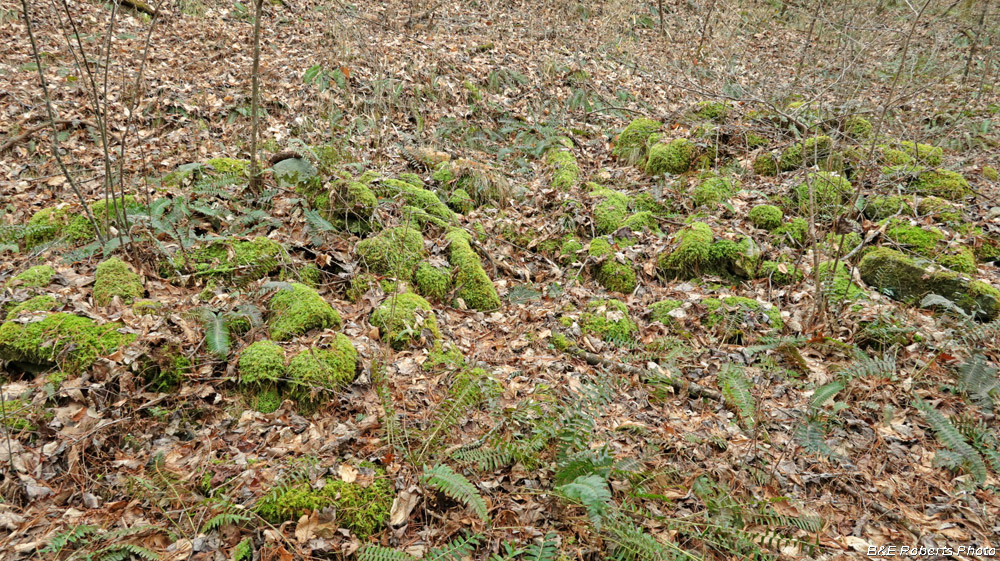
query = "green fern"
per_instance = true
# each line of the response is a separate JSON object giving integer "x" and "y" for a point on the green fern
{"x": 224, "y": 519}
{"x": 243, "y": 550}
{"x": 979, "y": 381}
{"x": 824, "y": 394}
{"x": 865, "y": 366}
{"x": 736, "y": 390}
{"x": 216, "y": 333}
{"x": 593, "y": 493}
{"x": 122, "y": 552}
{"x": 546, "y": 550}
{"x": 381, "y": 553}
{"x": 811, "y": 436}
{"x": 456, "y": 486}
{"x": 466, "y": 392}
{"x": 61, "y": 541}
{"x": 455, "y": 550}
{"x": 948, "y": 435}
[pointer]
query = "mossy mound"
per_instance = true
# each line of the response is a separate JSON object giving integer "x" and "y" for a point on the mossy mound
{"x": 942, "y": 183}
{"x": 71, "y": 342}
{"x": 40, "y": 303}
{"x": 416, "y": 197}
{"x": 351, "y": 200}
{"x": 403, "y": 317}
{"x": 460, "y": 201}
{"x": 857, "y": 127}
{"x": 675, "y": 157}
{"x": 229, "y": 166}
{"x": 115, "y": 278}
{"x": 610, "y": 210}
{"x": 568, "y": 251}
{"x": 830, "y": 191}
{"x": 691, "y": 254}
{"x": 908, "y": 280}
{"x": 228, "y": 259}
{"x": 909, "y": 152}
{"x": 565, "y": 171}
{"x": 880, "y": 206}
{"x": 713, "y": 190}
{"x": 766, "y": 164}
{"x": 766, "y": 217}
{"x": 609, "y": 320}
{"x": 660, "y": 311}
{"x": 631, "y": 143}
{"x": 941, "y": 210}
{"x": 711, "y": 111}
{"x": 363, "y": 510}
{"x": 393, "y": 252}
{"x": 609, "y": 273}
{"x": 298, "y": 310}
{"x": 990, "y": 172}
{"x": 35, "y": 277}
{"x": 795, "y": 232}
{"x": 779, "y": 273}
{"x": 838, "y": 286}
{"x": 315, "y": 371}
{"x": 432, "y": 282}
{"x": 642, "y": 221}
{"x": 921, "y": 240}
{"x": 734, "y": 316}
{"x": 50, "y": 224}
{"x": 474, "y": 286}
{"x": 261, "y": 365}
{"x": 812, "y": 151}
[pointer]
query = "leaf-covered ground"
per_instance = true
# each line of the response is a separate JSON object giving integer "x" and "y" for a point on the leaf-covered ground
{"x": 524, "y": 281}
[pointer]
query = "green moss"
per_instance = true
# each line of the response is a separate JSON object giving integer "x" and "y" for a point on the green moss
{"x": 922, "y": 241}
{"x": 754, "y": 140}
{"x": 460, "y": 201}
{"x": 713, "y": 191}
{"x": 990, "y": 172}
{"x": 610, "y": 210}
{"x": 412, "y": 179}
{"x": 361, "y": 283}
{"x": 228, "y": 259}
{"x": 265, "y": 400}
{"x": 569, "y": 249}
{"x": 642, "y": 221}
{"x": 229, "y": 166}
{"x": 921, "y": 153}
{"x": 609, "y": 273}
{"x": 880, "y": 207}
{"x": 711, "y": 110}
{"x": 311, "y": 275}
{"x": 70, "y": 341}
{"x": 987, "y": 249}
{"x": 691, "y": 254}
{"x": 432, "y": 282}
{"x": 779, "y": 273}
{"x": 35, "y": 277}
{"x": 831, "y": 191}
{"x": 314, "y": 371}
{"x": 566, "y": 172}
{"x": 443, "y": 173}
{"x": 942, "y": 183}
{"x": 766, "y": 217}
{"x": 675, "y": 157}
{"x": 417, "y": 216}
{"x": 147, "y": 307}
{"x": 838, "y": 286}
{"x": 299, "y": 310}
{"x": 766, "y": 164}
{"x": 393, "y": 252}
{"x": 631, "y": 143}
{"x": 402, "y": 317}
{"x": 50, "y": 223}
{"x": 795, "y": 232}
{"x": 363, "y": 510}
{"x": 444, "y": 356}
{"x": 960, "y": 259}
{"x": 40, "y": 303}
{"x": 115, "y": 278}
{"x": 560, "y": 342}
{"x": 735, "y": 315}
{"x": 261, "y": 365}
{"x": 646, "y": 202}
{"x": 415, "y": 196}
{"x": 168, "y": 376}
{"x": 814, "y": 150}
{"x": 660, "y": 311}
{"x": 474, "y": 286}
{"x": 609, "y": 319}
{"x": 857, "y": 127}
{"x": 893, "y": 157}
{"x": 351, "y": 199}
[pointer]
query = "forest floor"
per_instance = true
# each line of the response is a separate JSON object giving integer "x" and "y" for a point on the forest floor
{"x": 524, "y": 280}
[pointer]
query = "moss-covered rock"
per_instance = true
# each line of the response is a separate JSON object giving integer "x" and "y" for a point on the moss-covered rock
{"x": 960, "y": 259}
{"x": 568, "y": 251}
{"x": 642, "y": 221}
{"x": 713, "y": 190}
{"x": 432, "y": 282}
{"x": 812, "y": 151}
{"x": 990, "y": 172}
{"x": 565, "y": 171}
{"x": 392, "y": 252}
{"x": 461, "y": 202}
{"x": 608, "y": 272}
{"x": 115, "y": 278}
{"x": 940, "y": 209}
{"x": 831, "y": 191}
{"x": 674, "y": 157}
{"x": 50, "y": 224}
{"x": 35, "y": 277}
{"x": 838, "y": 286}
{"x": 474, "y": 286}
{"x": 261, "y": 365}
{"x": 711, "y": 111}
{"x": 632, "y": 142}
{"x": 71, "y": 342}
{"x": 228, "y": 259}
{"x": 363, "y": 510}
{"x": 402, "y": 318}
{"x": 920, "y": 240}
{"x": 766, "y": 217}
{"x": 315, "y": 371}
{"x": 779, "y": 273}
{"x": 299, "y": 310}
{"x": 416, "y": 197}
{"x": 795, "y": 232}
{"x": 942, "y": 183}
{"x": 229, "y": 166}
{"x": 880, "y": 206}
{"x": 914, "y": 152}
{"x": 766, "y": 164}
{"x": 909, "y": 280}
{"x": 610, "y": 208}
{"x": 858, "y": 127}
{"x": 351, "y": 200}
{"x": 660, "y": 311}
{"x": 691, "y": 254}
{"x": 733, "y": 317}
{"x": 609, "y": 320}
{"x": 40, "y": 303}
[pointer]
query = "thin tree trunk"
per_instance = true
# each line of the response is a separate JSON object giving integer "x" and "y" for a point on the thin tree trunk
{"x": 805, "y": 46}
{"x": 255, "y": 178}
{"x": 975, "y": 40}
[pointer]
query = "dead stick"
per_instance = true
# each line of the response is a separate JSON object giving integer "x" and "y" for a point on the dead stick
{"x": 60, "y": 123}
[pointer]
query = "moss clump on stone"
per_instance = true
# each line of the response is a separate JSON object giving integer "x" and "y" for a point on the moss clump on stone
{"x": 646, "y": 202}
{"x": 351, "y": 199}
{"x": 610, "y": 210}
{"x": 461, "y": 202}
{"x": 631, "y": 143}
{"x": 363, "y": 510}
{"x": 474, "y": 286}
{"x": 609, "y": 319}
{"x": 812, "y": 151}
{"x": 880, "y": 206}
{"x": 766, "y": 164}
{"x": 795, "y": 232}
{"x": 857, "y": 127}
{"x": 838, "y": 286}
{"x": 609, "y": 273}
{"x": 674, "y": 157}
{"x": 565, "y": 171}
{"x": 361, "y": 283}
{"x": 299, "y": 310}
{"x": 35, "y": 277}
{"x": 960, "y": 259}
{"x": 314, "y": 371}
{"x": 69, "y": 341}
{"x": 642, "y": 221}
{"x": 905, "y": 279}
{"x": 921, "y": 153}
{"x": 402, "y": 318}
{"x": 734, "y": 316}
{"x": 443, "y": 173}
{"x": 560, "y": 342}
{"x": 660, "y": 311}
{"x": 311, "y": 275}
{"x": 779, "y": 273}
{"x": 51, "y": 223}
{"x": 229, "y": 166}
{"x": 432, "y": 282}
{"x": 261, "y": 365}
{"x": 711, "y": 111}
{"x": 940, "y": 209}
{"x": 691, "y": 254}
{"x": 393, "y": 252}
{"x": 415, "y": 196}
{"x": 147, "y": 307}
{"x": 115, "y": 278}
{"x": 40, "y": 303}
{"x": 990, "y": 172}
{"x": 831, "y": 191}
{"x": 229, "y": 259}
{"x": 569, "y": 249}
{"x": 942, "y": 183}
{"x": 713, "y": 190}
{"x": 766, "y": 217}
{"x": 922, "y": 241}
{"x": 265, "y": 400}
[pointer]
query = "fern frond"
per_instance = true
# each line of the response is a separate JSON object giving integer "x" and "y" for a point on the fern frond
{"x": 978, "y": 380}
{"x": 824, "y": 394}
{"x": 464, "y": 394}
{"x": 865, "y": 366}
{"x": 546, "y": 550}
{"x": 380, "y": 553}
{"x": 455, "y": 550}
{"x": 216, "y": 333}
{"x": 60, "y": 541}
{"x": 123, "y": 551}
{"x": 224, "y": 519}
{"x": 948, "y": 435}
{"x": 457, "y": 487}
{"x": 736, "y": 390}
{"x": 811, "y": 436}
{"x": 593, "y": 493}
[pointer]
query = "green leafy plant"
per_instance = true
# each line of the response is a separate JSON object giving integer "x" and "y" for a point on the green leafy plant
{"x": 959, "y": 452}
{"x": 457, "y": 487}
{"x": 736, "y": 389}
